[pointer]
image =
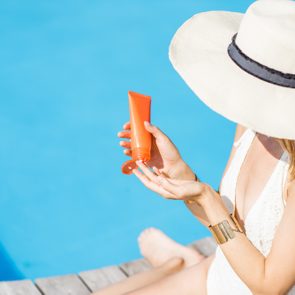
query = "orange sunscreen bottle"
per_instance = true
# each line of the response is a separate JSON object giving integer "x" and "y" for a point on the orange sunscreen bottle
{"x": 141, "y": 139}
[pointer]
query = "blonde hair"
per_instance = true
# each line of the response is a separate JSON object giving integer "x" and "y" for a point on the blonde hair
{"x": 289, "y": 146}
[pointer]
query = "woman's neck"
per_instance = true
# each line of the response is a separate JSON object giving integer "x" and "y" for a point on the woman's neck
{"x": 271, "y": 144}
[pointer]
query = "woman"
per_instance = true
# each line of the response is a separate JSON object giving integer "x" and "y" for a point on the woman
{"x": 248, "y": 77}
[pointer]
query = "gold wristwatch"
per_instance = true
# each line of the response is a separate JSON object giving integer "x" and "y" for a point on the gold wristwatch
{"x": 222, "y": 231}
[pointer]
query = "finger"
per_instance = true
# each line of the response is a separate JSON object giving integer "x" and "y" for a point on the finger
{"x": 163, "y": 182}
{"x": 183, "y": 191}
{"x": 157, "y": 171}
{"x": 152, "y": 186}
{"x": 124, "y": 134}
{"x": 162, "y": 172}
{"x": 157, "y": 133}
{"x": 127, "y": 125}
{"x": 176, "y": 181}
{"x": 126, "y": 144}
{"x": 127, "y": 152}
{"x": 150, "y": 174}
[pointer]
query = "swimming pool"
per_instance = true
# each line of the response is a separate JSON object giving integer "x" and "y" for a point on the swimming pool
{"x": 66, "y": 67}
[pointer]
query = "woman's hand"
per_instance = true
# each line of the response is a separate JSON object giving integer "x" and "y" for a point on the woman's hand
{"x": 164, "y": 154}
{"x": 193, "y": 193}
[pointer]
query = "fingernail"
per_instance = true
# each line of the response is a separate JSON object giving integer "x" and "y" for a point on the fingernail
{"x": 147, "y": 123}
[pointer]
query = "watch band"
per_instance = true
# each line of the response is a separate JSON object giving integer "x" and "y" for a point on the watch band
{"x": 222, "y": 231}
{"x": 235, "y": 221}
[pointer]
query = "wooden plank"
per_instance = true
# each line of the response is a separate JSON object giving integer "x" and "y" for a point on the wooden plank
{"x": 63, "y": 285}
{"x": 135, "y": 266}
{"x": 206, "y": 246}
{"x": 101, "y": 278}
{"x": 21, "y": 287}
{"x": 91, "y": 280}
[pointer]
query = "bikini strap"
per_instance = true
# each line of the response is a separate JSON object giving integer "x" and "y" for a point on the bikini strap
{"x": 244, "y": 135}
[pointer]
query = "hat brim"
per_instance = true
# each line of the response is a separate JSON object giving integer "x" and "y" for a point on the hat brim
{"x": 198, "y": 52}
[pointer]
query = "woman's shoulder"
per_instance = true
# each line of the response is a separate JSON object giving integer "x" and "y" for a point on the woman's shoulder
{"x": 241, "y": 132}
{"x": 240, "y": 129}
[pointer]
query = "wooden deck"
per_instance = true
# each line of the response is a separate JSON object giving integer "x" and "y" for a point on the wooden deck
{"x": 87, "y": 282}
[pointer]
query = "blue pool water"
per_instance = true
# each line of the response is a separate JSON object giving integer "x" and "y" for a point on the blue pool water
{"x": 65, "y": 69}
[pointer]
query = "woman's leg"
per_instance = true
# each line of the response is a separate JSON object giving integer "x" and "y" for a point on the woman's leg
{"x": 157, "y": 248}
{"x": 170, "y": 279}
{"x": 188, "y": 281}
{"x": 144, "y": 278}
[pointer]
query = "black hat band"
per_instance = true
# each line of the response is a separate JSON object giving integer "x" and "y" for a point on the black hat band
{"x": 257, "y": 69}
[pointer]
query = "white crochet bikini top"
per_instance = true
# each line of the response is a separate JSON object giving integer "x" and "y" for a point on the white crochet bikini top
{"x": 265, "y": 214}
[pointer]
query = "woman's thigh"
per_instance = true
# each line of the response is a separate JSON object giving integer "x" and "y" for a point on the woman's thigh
{"x": 189, "y": 281}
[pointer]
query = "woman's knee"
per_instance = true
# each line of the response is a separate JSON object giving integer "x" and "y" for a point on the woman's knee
{"x": 188, "y": 281}
{"x": 173, "y": 265}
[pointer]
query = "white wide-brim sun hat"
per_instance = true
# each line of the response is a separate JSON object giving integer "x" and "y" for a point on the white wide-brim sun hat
{"x": 266, "y": 41}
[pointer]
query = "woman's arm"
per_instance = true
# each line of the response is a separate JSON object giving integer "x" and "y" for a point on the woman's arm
{"x": 273, "y": 274}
